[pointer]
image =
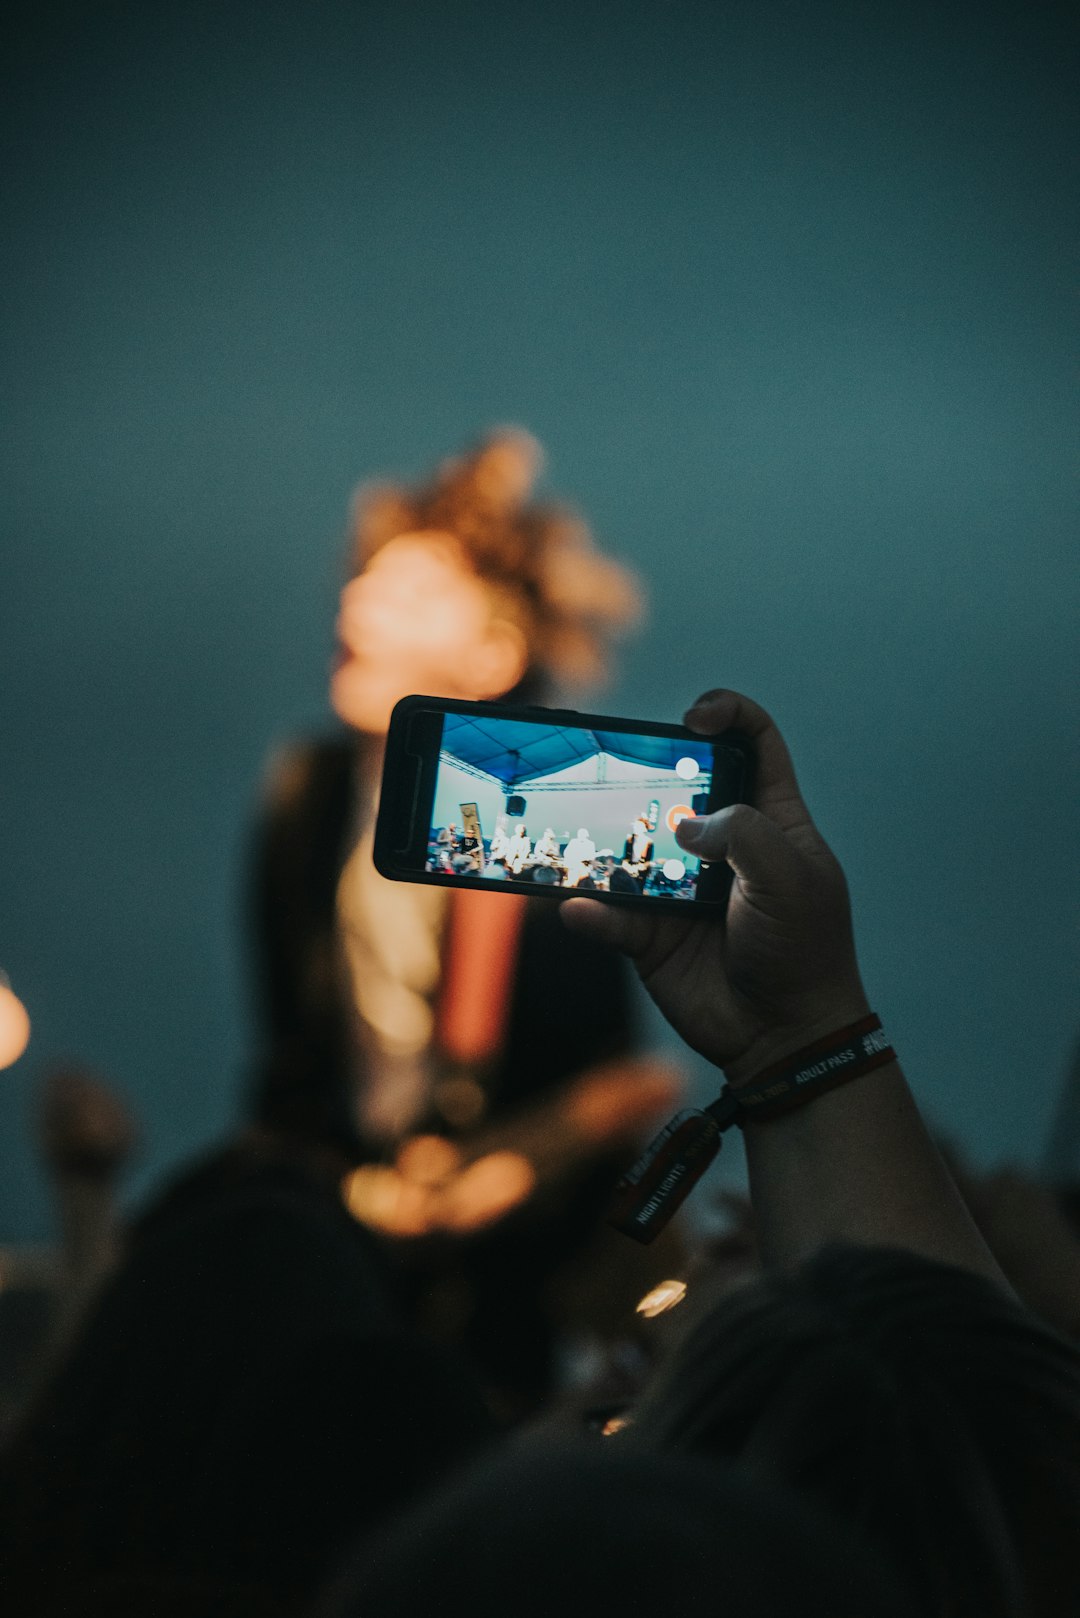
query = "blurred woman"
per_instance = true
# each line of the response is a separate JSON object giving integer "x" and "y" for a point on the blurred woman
{"x": 389, "y": 1010}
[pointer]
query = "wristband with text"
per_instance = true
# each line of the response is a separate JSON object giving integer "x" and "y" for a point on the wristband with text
{"x": 651, "y": 1193}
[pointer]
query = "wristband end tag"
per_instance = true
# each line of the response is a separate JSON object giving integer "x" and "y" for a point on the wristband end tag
{"x": 650, "y": 1194}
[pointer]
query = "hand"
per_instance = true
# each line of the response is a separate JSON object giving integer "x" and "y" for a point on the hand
{"x": 780, "y": 969}
{"x": 430, "y": 1190}
{"x": 84, "y": 1127}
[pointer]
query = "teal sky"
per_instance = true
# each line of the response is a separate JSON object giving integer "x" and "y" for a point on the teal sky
{"x": 789, "y": 292}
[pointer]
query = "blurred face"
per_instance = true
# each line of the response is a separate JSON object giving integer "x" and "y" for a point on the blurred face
{"x": 418, "y": 619}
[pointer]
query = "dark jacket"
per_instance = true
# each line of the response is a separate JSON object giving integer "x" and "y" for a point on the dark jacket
{"x": 571, "y": 1000}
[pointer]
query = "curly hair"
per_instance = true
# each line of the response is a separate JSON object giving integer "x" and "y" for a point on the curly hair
{"x": 538, "y": 558}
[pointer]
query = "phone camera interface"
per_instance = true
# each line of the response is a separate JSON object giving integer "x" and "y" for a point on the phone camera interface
{"x": 557, "y": 806}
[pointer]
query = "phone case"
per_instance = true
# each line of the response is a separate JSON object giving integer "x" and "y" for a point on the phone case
{"x": 403, "y": 848}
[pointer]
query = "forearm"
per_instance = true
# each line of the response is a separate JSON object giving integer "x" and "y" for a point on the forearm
{"x": 858, "y": 1165}
{"x": 777, "y": 984}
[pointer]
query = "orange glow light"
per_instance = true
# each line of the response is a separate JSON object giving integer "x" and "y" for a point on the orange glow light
{"x": 14, "y": 1025}
{"x": 613, "y": 1425}
{"x": 427, "y": 1191}
{"x": 665, "y": 1296}
{"x": 487, "y": 1191}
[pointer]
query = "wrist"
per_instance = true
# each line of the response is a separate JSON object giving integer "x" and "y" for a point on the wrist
{"x": 785, "y": 1038}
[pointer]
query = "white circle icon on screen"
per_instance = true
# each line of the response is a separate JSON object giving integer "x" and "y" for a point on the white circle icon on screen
{"x": 674, "y": 870}
{"x": 687, "y": 768}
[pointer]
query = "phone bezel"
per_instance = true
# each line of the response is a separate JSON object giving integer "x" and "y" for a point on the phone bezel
{"x": 408, "y": 787}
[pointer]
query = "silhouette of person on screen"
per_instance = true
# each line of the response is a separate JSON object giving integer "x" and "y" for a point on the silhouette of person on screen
{"x": 547, "y": 849}
{"x": 519, "y": 850}
{"x": 578, "y": 855}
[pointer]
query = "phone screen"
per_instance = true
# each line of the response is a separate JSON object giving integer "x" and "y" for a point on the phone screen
{"x": 566, "y": 806}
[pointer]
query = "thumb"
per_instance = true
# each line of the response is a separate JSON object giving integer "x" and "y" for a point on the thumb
{"x": 753, "y": 845}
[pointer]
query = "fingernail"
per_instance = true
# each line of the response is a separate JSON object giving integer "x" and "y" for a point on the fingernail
{"x": 699, "y": 712}
{"x": 691, "y": 829}
{"x": 706, "y": 699}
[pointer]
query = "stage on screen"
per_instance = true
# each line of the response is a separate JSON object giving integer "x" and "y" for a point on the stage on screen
{"x": 557, "y": 806}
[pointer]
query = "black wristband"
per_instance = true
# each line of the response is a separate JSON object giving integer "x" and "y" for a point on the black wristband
{"x": 805, "y": 1074}
{"x": 651, "y": 1192}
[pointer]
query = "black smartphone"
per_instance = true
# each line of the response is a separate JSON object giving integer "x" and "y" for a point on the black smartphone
{"x": 544, "y": 801}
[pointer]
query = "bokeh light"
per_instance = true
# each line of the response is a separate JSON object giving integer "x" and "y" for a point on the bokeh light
{"x": 14, "y": 1025}
{"x": 661, "y": 1298}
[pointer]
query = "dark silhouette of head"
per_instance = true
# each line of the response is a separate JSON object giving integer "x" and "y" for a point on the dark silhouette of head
{"x": 919, "y": 1402}
{"x": 602, "y": 1529}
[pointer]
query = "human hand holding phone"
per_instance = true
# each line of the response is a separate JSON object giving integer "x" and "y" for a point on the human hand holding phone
{"x": 776, "y": 974}
{"x": 780, "y": 969}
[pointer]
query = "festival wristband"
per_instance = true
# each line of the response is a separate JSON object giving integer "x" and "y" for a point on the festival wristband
{"x": 651, "y": 1193}
{"x": 800, "y": 1077}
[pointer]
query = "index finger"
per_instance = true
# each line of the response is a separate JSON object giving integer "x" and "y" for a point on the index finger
{"x": 776, "y": 790}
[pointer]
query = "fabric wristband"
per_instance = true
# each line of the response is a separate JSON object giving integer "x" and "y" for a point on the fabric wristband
{"x": 651, "y": 1192}
{"x": 799, "y": 1078}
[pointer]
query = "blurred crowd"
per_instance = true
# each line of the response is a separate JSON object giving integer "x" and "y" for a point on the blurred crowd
{"x": 380, "y": 1350}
